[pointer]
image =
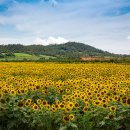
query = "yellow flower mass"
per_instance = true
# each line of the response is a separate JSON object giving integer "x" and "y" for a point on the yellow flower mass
{"x": 67, "y": 89}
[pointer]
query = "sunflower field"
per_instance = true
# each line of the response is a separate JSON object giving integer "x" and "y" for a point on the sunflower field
{"x": 57, "y": 96}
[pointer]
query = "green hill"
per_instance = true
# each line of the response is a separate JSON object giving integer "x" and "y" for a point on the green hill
{"x": 67, "y": 50}
{"x": 71, "y": 51}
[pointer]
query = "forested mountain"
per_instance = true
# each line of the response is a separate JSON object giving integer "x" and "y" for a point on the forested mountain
{"x": 70, "y": 49}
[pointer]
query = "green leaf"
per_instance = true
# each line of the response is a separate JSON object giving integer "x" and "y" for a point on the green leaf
{"x": 63, "y": 128}
{"x": 119, "y": 118}
{"x": 73, "y": 125}
{"x": 102, "y": 123}
{"x": 127, "y": 126}
{"x": 11, "y": 124}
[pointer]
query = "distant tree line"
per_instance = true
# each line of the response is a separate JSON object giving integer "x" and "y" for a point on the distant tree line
{"x": 70, "y": 50}
{"x": 7, "y": 54}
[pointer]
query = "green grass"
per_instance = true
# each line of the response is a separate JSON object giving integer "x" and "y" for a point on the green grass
{"x": 25, "y": 56}
{"x": 22, "y": 55}
{"x": 47, "y": 57}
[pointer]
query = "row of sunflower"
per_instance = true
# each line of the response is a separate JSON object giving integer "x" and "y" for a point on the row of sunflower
{"x": 52, "y": 96}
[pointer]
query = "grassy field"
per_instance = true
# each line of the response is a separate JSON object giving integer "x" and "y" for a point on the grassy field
{"x": 24, "y": 56}
{"x": 53, "y": 96}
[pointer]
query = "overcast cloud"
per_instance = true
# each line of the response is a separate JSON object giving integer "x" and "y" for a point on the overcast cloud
{"x": 104, "y": 24}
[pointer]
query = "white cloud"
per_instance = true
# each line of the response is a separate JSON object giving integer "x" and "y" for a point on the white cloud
{"x": 128, "y": 37}
{"x": 10, "y": 40}
{"x": 50, "y": 40}
{"x": 33, "y": 40}
{"x": 77, "y": 21}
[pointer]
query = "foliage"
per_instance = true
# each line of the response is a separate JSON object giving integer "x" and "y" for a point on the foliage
{"x": 68, "y": 50}
{"x": 1, "y": 55}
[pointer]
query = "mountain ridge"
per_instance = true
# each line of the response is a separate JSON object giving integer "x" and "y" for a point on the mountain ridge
{"x": 65, "y": 50}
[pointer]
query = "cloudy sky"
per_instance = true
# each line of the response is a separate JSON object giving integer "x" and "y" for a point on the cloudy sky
{"x": 104, "y": 24}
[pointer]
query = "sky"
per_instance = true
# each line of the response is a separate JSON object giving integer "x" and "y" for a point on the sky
{"x": 104, "y": 24}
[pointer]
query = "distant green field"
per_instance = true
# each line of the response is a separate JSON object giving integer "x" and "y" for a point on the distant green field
{"x": 25, "y": 56}
{"x": 22, "y": 55}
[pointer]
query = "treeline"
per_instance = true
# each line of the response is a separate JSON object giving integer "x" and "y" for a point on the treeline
{"x": 8, "y": 54}
{"x": 70, "y": 50}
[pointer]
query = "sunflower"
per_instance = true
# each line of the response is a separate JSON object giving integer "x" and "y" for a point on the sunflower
{"x": 128, "y": 101}
{"x": 29, "y": 101}
{"x": 113, "y": 108}
{"x": 35, "y": 107}
{"x": 104, "y": 105}
{"x": 71, "y": 117}
{"x": 2, "y": 101}
{"x": 39, "y": 101}
{"x": 27, "y": 104}
{"x": 13, "y": 92}
{"x": 44, "y": 103}
{"x": 111, "y": 116}
{"x": 37, "y": 87}
{"x": 85, "y": 109}
{"x": 57, "y": 102}
{"x": 76, "y": 105}
{"x": 70, "y": 105}
{"x": 20, "y": 104}
{"x": 54, "y": 109}
{"x": 18, "y": 92}
{"x": 86, "y": 100}
{"x": 64, "y": 97}
{"x": 22, "y": 91}
{"x": 67, "y": 110}
{"x": 25, "y": 91}
{"x": 82, "y": 97}
{"x": 48, "y": 106}
{"x": 61, "y": 106}
{"x": 97, "y": 102}
{"x": 116, "y": 98}
{"x": 56, "y": 106}
{"x": 66, "y": 118}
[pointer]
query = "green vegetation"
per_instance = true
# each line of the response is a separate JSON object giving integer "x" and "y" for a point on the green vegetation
{"x": 71, "y": 51}
{"x": 24, "y": 57}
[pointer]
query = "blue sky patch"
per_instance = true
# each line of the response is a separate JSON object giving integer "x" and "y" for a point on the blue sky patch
{"x": 3, "y": 8}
